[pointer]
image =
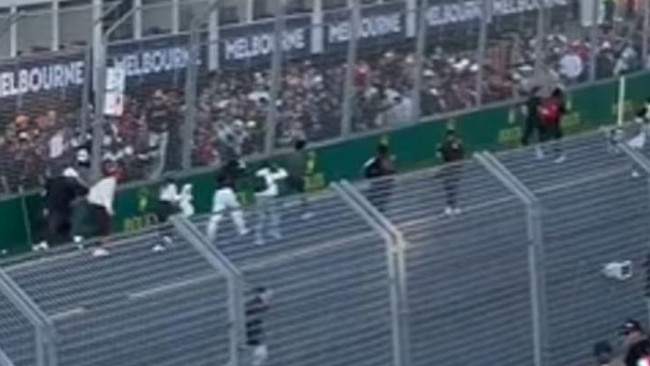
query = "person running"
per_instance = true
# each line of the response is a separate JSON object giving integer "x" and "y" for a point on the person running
{"x": 551, "y": 112}
{"x": 172, "y": 202}
{"x": 636, "y": 342}
{"x": 451, "y": 152}
{"x": 100, "y": 205}
{"x": 225, "y": 199}
{"x": 270, "y": 175}
{"x": 256, "y": 310}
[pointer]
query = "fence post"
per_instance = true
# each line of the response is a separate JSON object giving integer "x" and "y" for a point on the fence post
{"x": 594, "y": 47}
{"x": 276, "y": 76}
{"x": 191, "y": 84}
{"x": 396, "y": 257}
{"x": 349, "y": 93}
{"x": 235, "y": 281}
{"x": 539, "y": 43}
{"x": 5, "y": 360}
{"x": 46, "y": 351}
{"x": 486, "y": 10}
{"x": 101, "y": 59}
{"x": 645, "y": 35}
{"x": 536, "y": 269}
{"x": 643, "y": 162}
{"x": 420, "y": 49}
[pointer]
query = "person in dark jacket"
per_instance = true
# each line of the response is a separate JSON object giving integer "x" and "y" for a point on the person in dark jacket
{"x": 60, "y": 193}
{"x": 451, "y": 152}
{"x": 636, "y": 341}
{"x": 532, "y": 125}
{"x": 297, "y": 167}
{"x": 379, "y": 169}
{"x": 256, "y": 310}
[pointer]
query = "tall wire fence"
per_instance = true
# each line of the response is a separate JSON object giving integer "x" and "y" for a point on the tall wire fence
{"x": 195, "y": 96}
{"x": 380, "y": 272}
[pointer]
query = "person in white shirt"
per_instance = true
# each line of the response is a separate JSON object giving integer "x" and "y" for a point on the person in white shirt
{"x": 100, "y": 205}
{"x": 270, "y": 175}
{"x": 225, "y": 199}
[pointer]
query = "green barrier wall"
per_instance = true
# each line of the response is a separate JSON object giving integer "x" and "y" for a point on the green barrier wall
{"x": 414, "y": 147}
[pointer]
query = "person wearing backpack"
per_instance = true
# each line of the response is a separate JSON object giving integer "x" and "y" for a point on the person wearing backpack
{"x": 551, "y": 112}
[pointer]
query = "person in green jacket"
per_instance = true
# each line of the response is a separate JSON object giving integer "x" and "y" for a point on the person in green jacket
{"x": 296, "y": 166}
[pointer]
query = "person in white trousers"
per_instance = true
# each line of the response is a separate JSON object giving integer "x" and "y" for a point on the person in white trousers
{"x": 225, "y": 200}
{"x": 267, "y": 210}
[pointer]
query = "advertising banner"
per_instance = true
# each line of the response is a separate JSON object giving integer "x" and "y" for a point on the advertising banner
{"x": 379, "y": 26}
{"x": 153, "y": 63}
{"x": 252, "y": 44}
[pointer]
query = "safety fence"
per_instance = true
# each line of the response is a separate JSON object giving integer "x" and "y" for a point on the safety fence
{"x": 194, "y": 96}
{"x": 528, "y": 258}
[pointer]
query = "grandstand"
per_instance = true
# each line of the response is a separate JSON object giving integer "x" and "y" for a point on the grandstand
{"x": 515, "y": 279}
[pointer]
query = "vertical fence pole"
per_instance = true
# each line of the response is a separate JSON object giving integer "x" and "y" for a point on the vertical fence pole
{"x": 418, "y": 70}
{"x": 46, "y": 342}
{"x": 643, "y": 162}
{"x": 593, "y": 39}
{"x": 191, "y": 84}
{"x": 235, "y": 282}
{"x": 349, "y": 93}
{"x": 536, "y": 269}
{"x": 85, "y": 94}
{"x": 539, "y": 43}
{"x": 482, "y": 46}
{"x": 396, "y": 256}
{"x": 101, "y": 60}
{"x": 645, "y": 34}
{"x": 276, "y": 77}
{"x": 5, "y": 360}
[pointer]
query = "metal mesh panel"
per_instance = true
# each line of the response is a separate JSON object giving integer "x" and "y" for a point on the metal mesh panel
{"x": 134, "y": 307}
{"x": 329, "y": 274}
{"x": 594, "y": 213}
{"x": 40, "y": 106}
{"x": 17, "y": 335}
{"x": 383, "y": 79}
{"x": 147, "y": 139}
{"x": 463, "y": 270}
{"x": 311, "y": 89}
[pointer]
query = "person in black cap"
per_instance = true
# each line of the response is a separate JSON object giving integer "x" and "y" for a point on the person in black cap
{"x": 256, "y": 309}
{"x": 450, "y": 152}
{"x": 378, "y": 169}
{"x": 636, "y": 342}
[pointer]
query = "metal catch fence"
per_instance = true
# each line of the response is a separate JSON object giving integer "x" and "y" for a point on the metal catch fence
{"x": 514, "y": 253}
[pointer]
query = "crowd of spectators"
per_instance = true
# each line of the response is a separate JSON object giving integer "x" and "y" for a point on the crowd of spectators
{"x": 233, "y": 104}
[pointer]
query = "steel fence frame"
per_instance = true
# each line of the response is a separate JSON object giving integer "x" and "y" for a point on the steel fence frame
{"x": 396, "y": 243}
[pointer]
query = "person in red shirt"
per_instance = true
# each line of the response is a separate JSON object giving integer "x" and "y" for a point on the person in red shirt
{"x": 550, "y": 115}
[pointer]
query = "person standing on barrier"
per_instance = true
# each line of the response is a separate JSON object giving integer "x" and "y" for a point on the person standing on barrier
{"x": 256, "y": 310}
{"x": 172, "y": 202}
{"x": 551, "y": 112}
{"x": 532, "y": 125}
{"x": 100, "y": 205}
{"x": 225, "y": 199}
{"x": 60, "y": 193}
{"x": 636, "y": 342}
{"x": 451, "y": 152}
{"x": 379, "y": 169}
{"x": 296, "y": 165}
{"x": 266, "y": 195}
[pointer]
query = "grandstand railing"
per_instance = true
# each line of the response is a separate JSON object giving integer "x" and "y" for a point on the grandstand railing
{"x": 380, "y": 274}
